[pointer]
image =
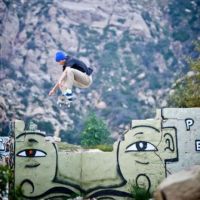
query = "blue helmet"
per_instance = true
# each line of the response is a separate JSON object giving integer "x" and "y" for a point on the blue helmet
{"x": 60, "y": 56}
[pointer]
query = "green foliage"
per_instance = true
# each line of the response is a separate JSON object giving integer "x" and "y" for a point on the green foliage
{"x": 186, "y": 92}
{"x": 177, "y": 11}
{"x": 89, "y": 39}
{"x": 125, "y": 39}
{"x": 108, "y": 31}
{"x": 138, "y": 192}
{"x": 111, "y": 46}
{"x": 24, "y": 93}
{"x": 31, "y": 44}
{"x": 121, "y": 20}
{"x": 4, "y": 178}
{"x": 181, "y": 36}
{"x": 7, "y": 178}
{"x": 47, "y": 85}
{"x": 154, "y": 82}
{"x": 109, "y": 60}
{"x": 64, "y": 146}
{"x": 7, "y": 3}
{"x": 4, "y": 128}
{"x": 45, "y": 126}
{"x": 24, "y": 101}
{"x": 146, "y": 16}
{"x": 43, "y": 67}
{"x": 128, "y": 62}
{"x": 95, "y": 132}
{"x": 5, "y": 64}
{"x": 102, "y": 147}
{"x": 29, "y": 34}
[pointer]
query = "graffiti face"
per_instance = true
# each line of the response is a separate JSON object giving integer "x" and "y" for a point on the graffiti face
{"x": 41, "y": 170}
{"x": 143, "y": 153}
{"x": 36, "y": 159}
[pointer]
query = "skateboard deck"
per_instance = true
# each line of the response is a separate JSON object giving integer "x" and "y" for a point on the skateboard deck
{"x": 63, "y": 101}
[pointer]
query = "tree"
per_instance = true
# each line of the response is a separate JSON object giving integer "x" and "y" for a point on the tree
{"x": 95, "y": 132}
{"x": 186, "y": 91}
{"x": 7, "y": 181}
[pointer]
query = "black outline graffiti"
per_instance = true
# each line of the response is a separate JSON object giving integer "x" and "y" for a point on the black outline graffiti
{"x": 118, "y": 166}
{"x": 32, "y": 166}
{"x": 30, "y": 182}
{"x": 107, "y": 198}
{"x": 53, "y": 190}
{"x": 176, "y": 142}
{"x": 146, "y": 126}
{"x": 168, "y": 141}
{"x": 187, "y": 125}
{"x": 143, "y": 163}
{"x": 31, "y": 156}
{"x": 140, "y": 150}
{"x": 31, "y": 133}
{"x": 177, "y": 157}
{"x": 87, "y": 192}
{"x": 50, "y": 191}
{"x": 196, "y": 145}
{"x": 105, "y": 190}
{"x": 31, "y": 140}
{"x": 57, "y": 180}
{"x": 147, "y": 178}
{"x": 99, "y": 191}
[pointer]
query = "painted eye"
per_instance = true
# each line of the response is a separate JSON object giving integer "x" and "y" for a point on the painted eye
{"x": 39, "y": 154}
{"x": 141, "y": 146}
{"x": 22, "y": 154}
{"x": 31, "y": 153}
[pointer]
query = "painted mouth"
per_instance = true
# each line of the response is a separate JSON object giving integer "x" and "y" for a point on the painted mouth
{"x": 143, "y": 163}
{"x": 32, "y": 165}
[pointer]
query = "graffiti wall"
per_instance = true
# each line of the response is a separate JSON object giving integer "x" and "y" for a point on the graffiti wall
{"x": 187, "y": 124}
{"x": 149, "y": 151}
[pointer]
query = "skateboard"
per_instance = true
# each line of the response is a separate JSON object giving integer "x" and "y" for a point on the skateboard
{"x": 64, "y": 102}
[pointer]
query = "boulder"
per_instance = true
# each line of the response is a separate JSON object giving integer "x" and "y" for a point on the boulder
{"x": 101, "y": 105}
{"x": 184, "y": 185}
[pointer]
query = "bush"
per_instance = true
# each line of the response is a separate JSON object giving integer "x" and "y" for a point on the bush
{"x": 6, "y": 179}
{"x": 95, "y": 132}
{"x": 181, "y": 36}
{"x": 45, "y": 126}
{"x": 138, "y": 192}
{"x": 128, "y": 62}
{"x": 31, "y": 44}
{"x": 111, "y": 46}
{"x": 186, "y": 92}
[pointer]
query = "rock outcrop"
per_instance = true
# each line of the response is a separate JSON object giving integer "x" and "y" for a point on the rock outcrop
{"x": 183, "y": 185}
{"x": 135, "y": 47}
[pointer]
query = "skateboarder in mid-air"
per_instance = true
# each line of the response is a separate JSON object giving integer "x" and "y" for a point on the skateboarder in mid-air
{"x": 75, "y": 73}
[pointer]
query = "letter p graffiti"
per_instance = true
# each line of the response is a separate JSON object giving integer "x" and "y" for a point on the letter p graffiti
{"x": 189, "y": 122}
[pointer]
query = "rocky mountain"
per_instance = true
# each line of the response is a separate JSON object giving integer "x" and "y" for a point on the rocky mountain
{"x": 136, "y": 48}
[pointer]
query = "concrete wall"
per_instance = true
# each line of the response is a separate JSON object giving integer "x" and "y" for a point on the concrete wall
{"x": 187, "y": 124}
{"x": 149, "y": 151}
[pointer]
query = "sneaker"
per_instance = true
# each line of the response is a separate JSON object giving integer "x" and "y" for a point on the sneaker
{"x": 69, "y": 96}
{"x": 65, "y": 99}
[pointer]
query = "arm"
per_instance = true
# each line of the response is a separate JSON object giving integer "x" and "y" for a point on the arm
{"x": 62, "y": 77}
{"x": 54, "y": 89}
{"x": 58, "y": 84}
